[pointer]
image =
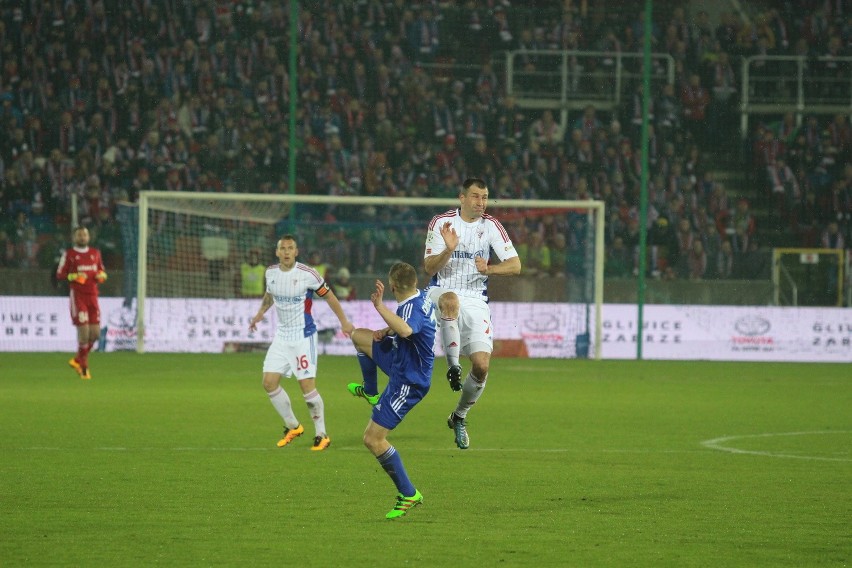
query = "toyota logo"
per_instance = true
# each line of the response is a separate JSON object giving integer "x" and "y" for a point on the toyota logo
{"x": 752, "y": 325}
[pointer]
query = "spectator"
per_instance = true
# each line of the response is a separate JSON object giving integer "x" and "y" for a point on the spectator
{"x": 697, "y": 261}
{"x": 559, "y": 255}
{"x": 316, "y": 262}
{"x": 535, "y": 255}
{"x": 695, "y": 100}
{"x": 725, "y": 260}
{"x": 619, "y": 260}
{"x": 342, "y": 285}
{"x": 251, "y": 279}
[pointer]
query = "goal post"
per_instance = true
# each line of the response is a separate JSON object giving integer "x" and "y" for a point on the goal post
{"x": 190, "y": 244}
{"x": 807, "y": 276}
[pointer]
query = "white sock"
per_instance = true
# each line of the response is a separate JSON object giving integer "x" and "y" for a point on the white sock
{"x": 281, "y": 402}
{"x": 315, "y": 405}
{"x": 451, "y": 340}
{"x": 470, "y": 393}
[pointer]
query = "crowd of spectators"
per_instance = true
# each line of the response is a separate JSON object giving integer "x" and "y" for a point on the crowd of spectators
{"x": 107, "y": 98}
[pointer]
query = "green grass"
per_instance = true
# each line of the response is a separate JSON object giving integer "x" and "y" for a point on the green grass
{"x": 170, "y": 460}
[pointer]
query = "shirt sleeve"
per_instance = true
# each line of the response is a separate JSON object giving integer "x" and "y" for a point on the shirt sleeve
{"x": 323, "y": 289}
{"x": 434, "y": 241}
{"x": 500, "y": 241}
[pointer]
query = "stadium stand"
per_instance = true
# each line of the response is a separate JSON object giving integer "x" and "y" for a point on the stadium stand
{"x": 102, "y": 99}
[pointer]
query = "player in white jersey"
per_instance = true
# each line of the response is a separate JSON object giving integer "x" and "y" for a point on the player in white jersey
{"x": 291, "y": 286}
{"x": 458, "y": 248}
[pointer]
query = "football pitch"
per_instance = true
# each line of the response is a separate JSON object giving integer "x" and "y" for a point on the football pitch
{"x": 171, "y": 460}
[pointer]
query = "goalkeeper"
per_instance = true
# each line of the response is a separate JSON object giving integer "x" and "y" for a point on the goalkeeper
{"x": 82, "y": 266}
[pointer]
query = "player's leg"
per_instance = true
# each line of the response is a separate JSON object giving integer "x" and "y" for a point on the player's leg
{"x": 305, "y": 361}
{"x": 80, "y": 319}
{"x": 375, "y": 438}
{"x": 478, "y": 344}
{"x": 78, "y": 362}
{"x": 94, "y": 310}
{"x": 317, "y": 409}
{"x": 274, "y": 366}
{"x": 448, "y": 325}
{"x": 93, "y": 331}
{"x": 368, "y": 389}
{"x": 474, "y": 383}
{"x": 472, "y": 389}
{"x": 372, "y": 355}
{"x": 397, "y": 400}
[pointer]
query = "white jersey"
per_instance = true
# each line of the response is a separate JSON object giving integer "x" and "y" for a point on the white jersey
{"x": 293, "y": 291}
{"x": 476, "y": 239}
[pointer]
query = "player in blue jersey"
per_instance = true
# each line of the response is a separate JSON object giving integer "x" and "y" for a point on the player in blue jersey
{"x": 458, "y": 248}
{"x": 290, "y": 287}
{"x": 404, "y": 352}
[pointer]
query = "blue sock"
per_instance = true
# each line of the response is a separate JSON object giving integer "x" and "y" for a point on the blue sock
{"x": 368, "y": 372}
{"x": 392, "y": 464}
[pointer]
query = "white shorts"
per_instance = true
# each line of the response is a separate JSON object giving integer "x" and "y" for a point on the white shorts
{"x": 292, "y": 358}
{"x": 475, "y": 328}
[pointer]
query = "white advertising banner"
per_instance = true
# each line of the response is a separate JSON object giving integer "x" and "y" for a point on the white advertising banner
{"x": 725, "y": 333}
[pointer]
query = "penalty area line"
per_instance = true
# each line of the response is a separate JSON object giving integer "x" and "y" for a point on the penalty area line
{"x": 720, "y": 445}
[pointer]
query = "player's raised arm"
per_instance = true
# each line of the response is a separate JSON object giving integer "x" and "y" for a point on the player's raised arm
{"x": 449, "y": 240}
{"x": 396, "y": 323}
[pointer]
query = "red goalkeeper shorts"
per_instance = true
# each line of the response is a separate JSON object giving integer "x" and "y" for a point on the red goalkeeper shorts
{"x": 85, "y": 309}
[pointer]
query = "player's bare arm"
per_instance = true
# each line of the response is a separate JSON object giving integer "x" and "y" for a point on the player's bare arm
{"x": 335, "y": 306}
{"x": 396, "y": 324}
{"x": 509, "y": 267}
{"x": 265, "y": 304}
{"x": 432, "y": 264}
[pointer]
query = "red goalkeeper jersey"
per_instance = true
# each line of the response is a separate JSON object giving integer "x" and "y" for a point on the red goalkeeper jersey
{"x": 82, "y": 261}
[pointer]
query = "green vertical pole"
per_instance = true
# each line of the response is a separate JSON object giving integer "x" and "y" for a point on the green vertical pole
{"x": 643, "y": 192}
{"x": 291, "y": 174}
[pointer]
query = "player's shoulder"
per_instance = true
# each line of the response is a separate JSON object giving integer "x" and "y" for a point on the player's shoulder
{"x": 445, "y": 216}
{"x": 308, "y": 271}
{"x": 495, "y": 223}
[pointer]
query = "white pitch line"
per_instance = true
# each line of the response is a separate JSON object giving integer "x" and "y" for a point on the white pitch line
{"x": 359, "y": 449}
{"x": 718, "y": 444}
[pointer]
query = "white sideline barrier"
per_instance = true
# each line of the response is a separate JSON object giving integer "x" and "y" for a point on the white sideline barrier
{"x": 723, "y": 333}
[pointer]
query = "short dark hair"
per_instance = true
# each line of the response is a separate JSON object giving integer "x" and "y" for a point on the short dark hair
{"x": 403, "y": 275}
{"x": 288, "y": 237}
{"x": 479, "y": 183}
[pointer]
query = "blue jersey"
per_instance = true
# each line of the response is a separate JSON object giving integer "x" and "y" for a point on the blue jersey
{"x": 413, "y": 356}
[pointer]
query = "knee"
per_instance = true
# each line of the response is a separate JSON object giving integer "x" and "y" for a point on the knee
{"x": 362, "y": 340}
{"x": 371, "y": 442}
{"x": 449, "y": 305}
{"x": 479, "y": 371}
{"x": 270, "y": 382}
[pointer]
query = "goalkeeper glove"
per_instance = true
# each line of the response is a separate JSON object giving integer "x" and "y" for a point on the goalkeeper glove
{"x": 101, "y": 276}
{"x": 78, "y": 277}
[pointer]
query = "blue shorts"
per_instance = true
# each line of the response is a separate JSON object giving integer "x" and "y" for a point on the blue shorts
{"x": 399, "y": 397}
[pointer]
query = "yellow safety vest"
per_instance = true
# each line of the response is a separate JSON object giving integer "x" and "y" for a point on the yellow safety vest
{"x": 253, "y": 279}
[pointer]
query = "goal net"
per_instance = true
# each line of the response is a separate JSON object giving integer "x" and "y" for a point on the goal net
{"x": 198, "y": 282}
{"x": 807, "y": 276}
